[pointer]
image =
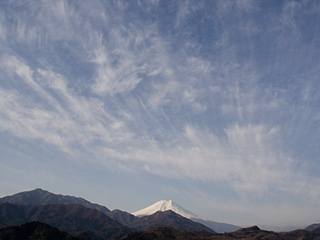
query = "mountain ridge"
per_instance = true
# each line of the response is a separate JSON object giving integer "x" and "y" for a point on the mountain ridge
{"x": 312, "y": 227}
{"x": 39, "y": 196}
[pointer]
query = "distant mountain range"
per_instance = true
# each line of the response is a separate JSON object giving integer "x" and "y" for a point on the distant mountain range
{"x": 64, "y": 215}
{"x": 144, "y": 221}
{"x": 64, "y": 211}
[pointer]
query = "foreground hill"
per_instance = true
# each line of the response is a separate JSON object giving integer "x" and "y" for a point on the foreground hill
{"x": 39, "y": 231}
{"x": 34, "y": 231}
{"x": 42, "y": 197}
{"x": 74, "y": 219}
{"x": 168, "y": 233}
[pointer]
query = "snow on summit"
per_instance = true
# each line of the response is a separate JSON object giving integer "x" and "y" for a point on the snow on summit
{"x": 164, "y": 205}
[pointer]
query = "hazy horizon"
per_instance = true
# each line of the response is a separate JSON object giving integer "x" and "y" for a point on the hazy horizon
{"x": 212, "y": 104}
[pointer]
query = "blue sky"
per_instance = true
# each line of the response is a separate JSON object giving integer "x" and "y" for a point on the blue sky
{"x": 213, "y": 104}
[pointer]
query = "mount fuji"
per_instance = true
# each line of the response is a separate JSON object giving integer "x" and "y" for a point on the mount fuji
{"x": 162, "y": 206}
{"x": 166, "y": 205}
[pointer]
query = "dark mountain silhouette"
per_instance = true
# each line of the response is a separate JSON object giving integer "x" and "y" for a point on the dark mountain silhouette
{"x": 42, "y": 197}
{"x": 74, "y": 219}
{"x": 34, "y": 231}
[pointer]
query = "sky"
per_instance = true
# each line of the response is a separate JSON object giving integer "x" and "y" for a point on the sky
{"x": 212, "y": 104}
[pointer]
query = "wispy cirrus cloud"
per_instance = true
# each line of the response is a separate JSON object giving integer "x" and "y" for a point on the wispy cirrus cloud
{"x": 61, "y": 117}
{"x": 249, "y": 159}
{"x": 246, "y": 154}
{"x": 118, "y": 68}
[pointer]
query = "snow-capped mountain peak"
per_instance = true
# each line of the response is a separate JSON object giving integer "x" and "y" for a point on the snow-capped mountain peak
{"x": 164, "y": 205}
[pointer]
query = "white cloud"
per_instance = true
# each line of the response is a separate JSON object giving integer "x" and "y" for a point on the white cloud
{"x": 12, "y": 65}
{"x": 132, "y": 54}
{"x": 32, "y": 123}
{"x": 119, "y": 79}
{"x": 249, "y": 158}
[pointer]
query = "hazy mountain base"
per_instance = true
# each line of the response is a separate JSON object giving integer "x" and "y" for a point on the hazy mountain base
{"x": 217, "y": 226}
